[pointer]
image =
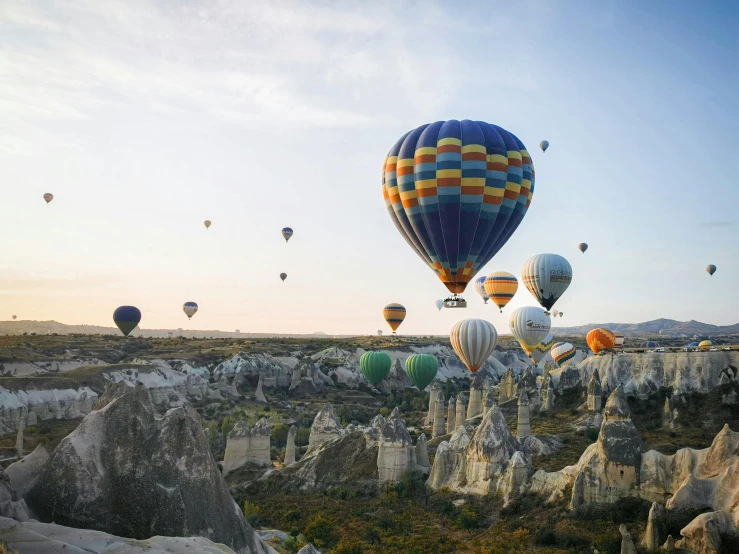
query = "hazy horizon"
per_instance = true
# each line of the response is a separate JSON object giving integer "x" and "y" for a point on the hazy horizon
{"x": 144, "y": 119}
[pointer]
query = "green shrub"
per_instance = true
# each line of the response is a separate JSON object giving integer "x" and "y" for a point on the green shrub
{"x": 319, "y": 531}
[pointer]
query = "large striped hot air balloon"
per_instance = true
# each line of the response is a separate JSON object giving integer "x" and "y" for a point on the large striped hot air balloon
{"x": 547, "y": 277}
{"x": 456, "y": 191}
{"x": 542, "y": 348}
{"x": 529, "y": 325}
{"x": 394, "y": 314}
{"x": 190, "y": 309}
{"x": 480, "y": 288}
{"x": 127, "y": 318}
{"x": 421, "y": 369}
{"x": 501, "y": 286}
{"x": 600, "y": 339}
{"x": 473, "y": 340}
{"x": 375, "y": 366}
{"x": 287, "y": 233}
{"x": 563, "y": 353}
{"x": 619, "y": 340}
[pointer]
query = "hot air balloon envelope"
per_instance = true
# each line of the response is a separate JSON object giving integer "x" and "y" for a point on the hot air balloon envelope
{"x": 394, "y": 314}
{"x": 544, "y": 145}
{"x": 48, "y": 197}
{"x": 421, "y": 369}
{"x": 439, "y": 304}
{"x": 474, "y": 341}
{"x": 207, "y": 223}
{"x": 583, "y": 246}
{"x": 456, "y": 191}
{"x": 480, "y": 288}
{"x": 287, "y": 233}
{"x": 375, "y": 366}
{"x": 650, "y": 344}
{"x": 547, "y": 277}
{"x": 283, "y": 276}
{"x": 563, "y": 353}
{"x": 501, "y": 286}
{"x": 542, "y": 348}
{"x": 711, "y": 269}
{"x": 189, "y": 308}
{"x": 619, "y": 340}
{"x": 599, "y": 339}
{"x": 127, "y": 318}
{"x": 530, "y": 326}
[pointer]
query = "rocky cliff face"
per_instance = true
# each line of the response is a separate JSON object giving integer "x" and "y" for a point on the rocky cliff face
{"x": 397, "y": 379}
{"x": 11, "y": 504}
{"x": 326, "y": 426}
{"x": 41, "y": 405}
{"x": 246, "y": 367}
{"x": 396, "y": 454}
{"x": 128, "y": 472}
{"x": 246, "y": 446}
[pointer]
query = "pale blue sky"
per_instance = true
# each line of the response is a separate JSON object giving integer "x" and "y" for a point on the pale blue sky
{"x": 146, "y": 118}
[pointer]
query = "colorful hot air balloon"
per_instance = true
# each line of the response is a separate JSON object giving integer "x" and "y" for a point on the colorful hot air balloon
{"x": 480, "y": 288}
{"x": 439, "y": 304}
{"x": 127, "y": 318}
{"x": 190, "y": 308}
{"x": 287, "y": 233}
{"x": 583, "y": 246}
{"x": 547, "y": 277}
{"x": 555, "y": 312}
{"x": 375, "y": 366}
{"x": 619, "y": 340}
{"x": 529, "y": 325}
{"x": 456, "y": 191}
{"x": 473, "y": 340}
{"x": 711, "y": 269}
{"x": 283, "y": 276}
{"x": 563, "y": 353}
{"x": 48, "y": 197}
{"x": 542, "y": 348}
{"x": 705, "y": 344}
{"x": 501, "y": 286}
{"x": 649, "y": 344}
{"x": 421, "y": 369}
{"x": 15, "y": 317}
{"x": 599, "y": 339}
{"x": 544, "y": 145}
{"x": 207, "y": 223}
{"x": 394, "y": 314}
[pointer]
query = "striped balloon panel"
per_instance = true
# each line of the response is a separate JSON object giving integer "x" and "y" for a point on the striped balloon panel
{"x": 649, "y": 344}
{"x": 394, "y": 314}
{"x": 456, "y": 191}
{"x": 619, "y": 339}
{"x": 501, "y": 286}
{"x": 547, "y": 276}
{"x": 705, "y": 344}
{"x": 474, "y": 341}
{"x": 599, "y": 339}
{"x": 563, "y": 352}
{"x": 421, "y": 369}
{"x": 480, "y": 288}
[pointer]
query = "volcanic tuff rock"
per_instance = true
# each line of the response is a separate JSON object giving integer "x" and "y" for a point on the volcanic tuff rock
{"x": 247, "y": 446}
{"x": 23, "y": 473}
{"x": 524, "y": 423}
{"x": 595, "y": 393}
{"x": 396, "y": 455}
{"x": 41, "y": 405}
{"x": 308, "y": 549}
{"x": 438, "y": 428}
{"x": 128, "y": 472}
{"x": 11, "y": 504}
{"x": 627, "y": 543}
{"x": 434, "y": 389}
{"x": 703, "y": 534}
{"x": 251, "y": 365}
{"x": 450, "y": 461}
{"x": 326, "y": 426}
{"x": 290, "y": 447}
{"x": 397, "y": 379}
{"x": 422, "y": 453}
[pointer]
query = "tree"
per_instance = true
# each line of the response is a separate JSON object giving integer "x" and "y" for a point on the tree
{"x": 213, "y": 436}
{"x": 226, "y": 427}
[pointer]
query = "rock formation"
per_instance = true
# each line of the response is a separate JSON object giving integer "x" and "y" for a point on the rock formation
{"x": 290, "y": 447}
{"x": 396, "y": 380}
{"x": 547, "y": 395}
{"x": 451, "y": 415}
{"x": 627, "y": 543}
{"x": 11, "y": 504}
{"x": 326, "y": 426}
{"x": 247, "y": 446}
{"x": 396, "y": 455}
{"x": 40, "y": 405}
{"x": 439, "y": 427}
{"x": 434, "y": 389}
{"x": 450, "y": 461}
{"x": 651, "y": 535}
{"x": 524, "y": 425}
{"x": 374, "y": 430}
{"x": 703, "y": 534}
{"x": 259, "y": 394}
{"x": 422, "y": 453}
{"x": 527, "y": 383}
{"x": 48, "y": 538}
{"x": 578, "y": 492}
{"x": 23, "y": 473}
{"x": 21, "y": 429}
{"x": 308, "y": 549}
{"x": 474, "y": 407}
{"x": 128, "y": 472}
{"x": 507, "y": 388}
{"x": 595, "y": 393}
{"x": 461, "y": 411}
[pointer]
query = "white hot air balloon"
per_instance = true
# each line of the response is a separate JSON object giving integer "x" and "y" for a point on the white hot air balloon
{"x": 480, "y": 288}
{"x": 189, "y": 308}
{"x": 474, "y": 341}
{"x": 563, "y": 353}
{"x": 530, "y": 325}
{"x": 547, "y": 277}
{"x": 379, "y": 332}
{"x": 439, "y": 304}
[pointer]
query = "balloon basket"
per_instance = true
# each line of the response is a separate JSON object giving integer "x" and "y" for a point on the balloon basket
{"x": 455, "y": 301}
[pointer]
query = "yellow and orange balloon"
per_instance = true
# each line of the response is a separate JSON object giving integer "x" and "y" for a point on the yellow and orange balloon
{"x": 501, "y": 286}
{"x": 600, "y": 339}
{"x": 394, "y": 314}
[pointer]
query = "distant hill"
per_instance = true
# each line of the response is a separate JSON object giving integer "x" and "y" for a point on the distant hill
{"x": 657, "y": 327}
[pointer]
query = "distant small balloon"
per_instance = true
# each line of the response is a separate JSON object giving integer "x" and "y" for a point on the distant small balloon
{"x": 190, "y": 308}
{"x": 283, "y": 276}
{"x": 583, "y": 246}
{"x": 544, "y": 145}
{"x": 237, "y": 331}
{"x": 439, "y": 304}
{"x": 207, "y": 223}
{"x": 711, "y": 269}
{"x": 48, "y": 197}
{"x": 287, "y": 233}
{"x": 379, "y": 332}
{"x": 394, "y": 314}
{"x": 15, "y": 317}
{"x": 561, "y": 314}
{"x": 480, "y": 288}
{"x": 555, "y": 312}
